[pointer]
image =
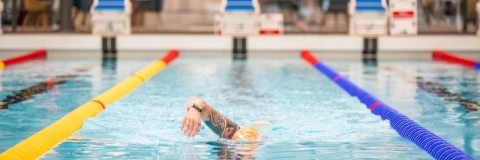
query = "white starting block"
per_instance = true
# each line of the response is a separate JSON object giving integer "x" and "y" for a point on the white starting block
{"x": 368, "y": 17}
{"x": 1, "y": 10}
{"x": 239, "y": 25}
{"x": 403, "y": 17}
{"x": 270, "y": 24}
{"x": 111, "y": 17}
{"x": 237, "y": 18}
{"x": 241, "y": 18}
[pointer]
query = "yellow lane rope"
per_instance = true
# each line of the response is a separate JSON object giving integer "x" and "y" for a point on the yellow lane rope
{"x": 42, "y": 141}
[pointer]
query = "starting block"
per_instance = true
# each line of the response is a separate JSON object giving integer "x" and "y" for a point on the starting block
{"x": 241, "y": 18}
{"x": 403, "y": 17}
{"x": 111, "y": 17}
{"x": 368, "y": 17}
{"x": 236, "y": 24}
{"x": 270, "y": 24}
{"x": 237, "y": 18}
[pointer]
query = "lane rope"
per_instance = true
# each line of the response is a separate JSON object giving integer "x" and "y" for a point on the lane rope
{"x": 407, "y": 128}
{"x": 444, "y": 56}
{"x": 41, "y": 53}
{"x": 42, "y": 141}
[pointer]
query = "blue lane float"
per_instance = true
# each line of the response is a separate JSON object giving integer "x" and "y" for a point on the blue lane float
{"x": 407, "y": 128}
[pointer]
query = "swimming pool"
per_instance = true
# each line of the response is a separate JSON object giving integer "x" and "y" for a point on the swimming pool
{"x": 300, "y": 113}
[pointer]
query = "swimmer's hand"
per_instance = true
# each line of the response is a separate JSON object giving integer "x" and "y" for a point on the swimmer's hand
{"x": 191, "y": 123}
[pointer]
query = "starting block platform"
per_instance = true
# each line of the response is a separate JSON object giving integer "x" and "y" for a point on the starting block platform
{"x": 249, "y": 24}
{"x": 241, "y": 18}
{"x": 111, "y": 17}
{"x": 368, "y": 18}
{"x": 403, "y": 17}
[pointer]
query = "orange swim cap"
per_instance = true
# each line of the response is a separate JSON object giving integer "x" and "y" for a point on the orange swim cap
{"x": 246, "y": 134}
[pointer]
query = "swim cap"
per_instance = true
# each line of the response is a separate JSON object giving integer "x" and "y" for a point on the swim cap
{"x": 246, "y": 134}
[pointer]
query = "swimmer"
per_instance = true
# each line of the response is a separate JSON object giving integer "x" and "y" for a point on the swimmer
{"x": 198, "y": 110}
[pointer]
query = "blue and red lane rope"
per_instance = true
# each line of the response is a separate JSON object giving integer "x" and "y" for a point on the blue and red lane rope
{"x": 444, "y": 56}
{"x": 407, "y": 128}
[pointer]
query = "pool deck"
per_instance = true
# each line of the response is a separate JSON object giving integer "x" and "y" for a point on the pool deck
{"x": 192, "y": 42}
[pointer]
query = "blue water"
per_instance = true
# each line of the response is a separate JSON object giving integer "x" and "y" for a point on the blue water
{"x": 298, "y": 111}
{"x": 24, "y": 119}
{"x": 449, "y": 120}
{"x": 306, "y": 116}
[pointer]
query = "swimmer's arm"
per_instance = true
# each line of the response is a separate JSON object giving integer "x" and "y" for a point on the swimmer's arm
{"x": 218, "y": 123}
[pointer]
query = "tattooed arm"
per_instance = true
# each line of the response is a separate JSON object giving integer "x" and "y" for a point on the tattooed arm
{"x": 219, "y": 124}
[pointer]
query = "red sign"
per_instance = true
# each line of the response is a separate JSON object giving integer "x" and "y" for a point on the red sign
{"x": 270, "y": 32}
{"x": 403, "y": 14}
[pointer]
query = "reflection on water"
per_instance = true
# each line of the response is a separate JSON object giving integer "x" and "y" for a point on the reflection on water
{"x": 109, "y": 65}
{"x": 240, "y": 83}
{"x": 240, "y": 150}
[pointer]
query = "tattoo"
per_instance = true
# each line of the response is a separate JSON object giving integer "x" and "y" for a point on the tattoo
{"x": 221, "y": 125}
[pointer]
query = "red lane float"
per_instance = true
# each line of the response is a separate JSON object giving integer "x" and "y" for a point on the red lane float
{"x": 444, "y": 56}
{"x": 309, "y": 57}
{"x": 172, "y": 54}
{"x": 33, "y": 55}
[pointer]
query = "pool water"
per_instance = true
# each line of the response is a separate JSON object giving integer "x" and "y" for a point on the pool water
{"x": 299, "y": 112}
{"x": 449, "y": 120}
{"x": 26, "y": 118}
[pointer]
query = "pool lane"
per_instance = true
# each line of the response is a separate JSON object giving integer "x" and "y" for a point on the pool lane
{"x": 299, "y": 113}
{"x": 23, "y": 119}
{"x": 37, "y": 144}
{"x": 428, "y": 141}
{"x": 448, "y": 119}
